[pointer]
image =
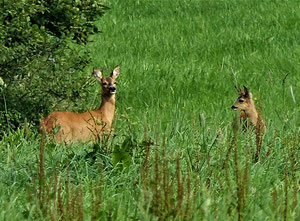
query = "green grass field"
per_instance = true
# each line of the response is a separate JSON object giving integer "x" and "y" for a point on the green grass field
{"x": 174, "y": 155}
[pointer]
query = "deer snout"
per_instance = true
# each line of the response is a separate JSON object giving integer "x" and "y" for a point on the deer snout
{"x": 234, "y": 107}
{"x": 112, "y": 89}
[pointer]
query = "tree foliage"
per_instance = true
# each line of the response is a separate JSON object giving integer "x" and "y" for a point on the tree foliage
{"x": 42, "y": 55}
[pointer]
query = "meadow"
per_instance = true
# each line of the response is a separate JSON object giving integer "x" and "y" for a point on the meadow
{"x": 175, "y": 153}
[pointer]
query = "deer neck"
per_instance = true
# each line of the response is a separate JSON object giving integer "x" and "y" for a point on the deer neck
{"x": 107, "y": 107}
{"x": 252, "y": 114}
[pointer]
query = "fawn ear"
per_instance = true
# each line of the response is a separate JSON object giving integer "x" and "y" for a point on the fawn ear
{"x": 250, "y": 95}
{"x": 247, "y": 93}
{"x": 98, "y": 74}
{"x": 239, "y": 90}
{"x": 115, "y": 73}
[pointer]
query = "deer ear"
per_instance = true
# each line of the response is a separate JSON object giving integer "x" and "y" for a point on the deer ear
{"x": 239, "y": 90}
{"x": 250, "y": 95}
{"x": 115, "y": 72}
{"x": 247, "y": 92}
{"x": 98, "y": 74}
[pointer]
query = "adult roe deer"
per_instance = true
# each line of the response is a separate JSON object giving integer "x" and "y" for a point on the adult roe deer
{"x": 90, "y": 124}
{"x": 246, "y": 105}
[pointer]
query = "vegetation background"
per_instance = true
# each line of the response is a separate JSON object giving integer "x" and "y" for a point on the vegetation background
{"x": 175, "y": 154}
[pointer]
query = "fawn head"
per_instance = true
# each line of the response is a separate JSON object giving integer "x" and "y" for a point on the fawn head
{"x": 244, "y": 101}
{"x": 108, "y": 84}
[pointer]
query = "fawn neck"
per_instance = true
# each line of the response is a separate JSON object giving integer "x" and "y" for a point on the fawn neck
{"x": 107, "y": 107}
{"x": 252, "y": 114}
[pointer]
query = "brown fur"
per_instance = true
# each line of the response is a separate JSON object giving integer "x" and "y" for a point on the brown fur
{"x": 89, "y": 125}
{"x": 249, "y": 113}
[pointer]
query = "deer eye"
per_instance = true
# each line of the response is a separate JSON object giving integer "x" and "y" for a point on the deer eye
{"x": 115, "y": 82}
{"x": 241, "y": 101}
{"x": 104, "y": 84}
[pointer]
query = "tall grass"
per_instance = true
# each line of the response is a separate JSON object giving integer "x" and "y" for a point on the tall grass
{"x": 177, "y": 151}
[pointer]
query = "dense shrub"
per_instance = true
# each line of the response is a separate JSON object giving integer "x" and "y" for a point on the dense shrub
{"x": 42, "y": 55}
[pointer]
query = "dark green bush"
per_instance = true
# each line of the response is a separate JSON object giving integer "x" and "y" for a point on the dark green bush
{"x": 42, "y": 46}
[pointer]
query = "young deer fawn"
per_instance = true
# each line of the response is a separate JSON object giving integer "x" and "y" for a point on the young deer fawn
{"x": 245, "y": 104}
{"x": 90, "y": 124}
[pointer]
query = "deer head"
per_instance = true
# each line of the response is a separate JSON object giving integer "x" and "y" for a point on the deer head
{"x": 108, "y": 84}
{"x": 244, "y": 101}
